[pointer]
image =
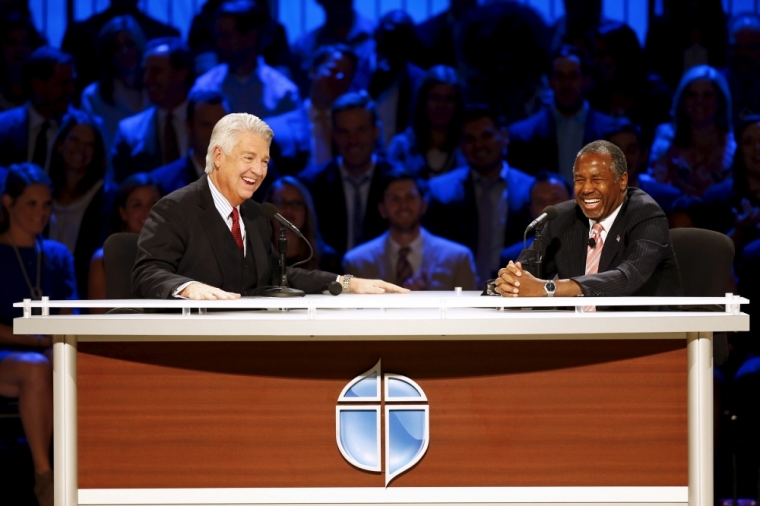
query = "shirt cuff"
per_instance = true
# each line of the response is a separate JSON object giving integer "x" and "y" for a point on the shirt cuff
{"x": 176, "y": 292}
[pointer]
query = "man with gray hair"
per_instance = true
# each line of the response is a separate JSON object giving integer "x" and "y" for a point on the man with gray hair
{"x": 209, "y": 240}
{"x": 612, "y": 240}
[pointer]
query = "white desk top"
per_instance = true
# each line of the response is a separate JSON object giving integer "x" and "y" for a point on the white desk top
{"x": 415, "y": 316}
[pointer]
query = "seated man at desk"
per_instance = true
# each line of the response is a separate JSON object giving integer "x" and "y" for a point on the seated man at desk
{"x": 209, "y": 240}
{"x": 612, "y": 240}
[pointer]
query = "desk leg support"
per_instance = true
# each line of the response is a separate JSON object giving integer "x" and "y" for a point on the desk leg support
{"x": 65, "y": 420}
{"x": 700, "y": 402}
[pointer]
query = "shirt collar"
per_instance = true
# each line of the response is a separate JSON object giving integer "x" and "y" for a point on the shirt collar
{"x": 502, "y": 175}
{"x": 415, "y": 246}
{"x": 578, "y": 118}
{"x": 36, "y": 119}
{"x": 220, "y": 201}
{"x": 345, "y": 175}
{"x": 179, "y": 112}
{"x": 608, "y": 221}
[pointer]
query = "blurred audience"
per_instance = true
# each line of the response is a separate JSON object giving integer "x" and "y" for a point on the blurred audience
{"x": 346, "y": 190}
{"x": 551, "y": 138}
{"x": 81, "y": 195}
{"x": 687, "y": 34}
{"x": 250, "y": 84}
{"x": 293, "y": 201}
{"x": 548, "y": 189}
{"x": 118, "y": 93}
{"x": 430, "y": 146}
{"x": 395, "y": 79}
{"x": 343, "y": 25}
{"x": 27, "y": 132}
{"x": 82, "y": 36}
{"x": 204, "y": 110}
{"x": 33, "y": 267}
{"x": 695, "y": 150}
{"x": 629, "y": 138}
{"x": 743, "y": 70}
{"x": 18, "y": 38}
{"x": 441, "y": 35}
{"x": 157, "y": 136}
{"x": 132, "y": 203}
{"x": 483, "y": 205}
{"x": 304, "y": 136}
{"x": 407, "y": 254}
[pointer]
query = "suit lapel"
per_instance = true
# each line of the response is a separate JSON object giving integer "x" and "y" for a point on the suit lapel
{"x": 218, "y": 234}
{"x": 578, "y": 239}
{"x": 612, "y": 244}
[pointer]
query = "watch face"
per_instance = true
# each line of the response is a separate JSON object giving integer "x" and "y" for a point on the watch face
{"x": 550, "y": 286}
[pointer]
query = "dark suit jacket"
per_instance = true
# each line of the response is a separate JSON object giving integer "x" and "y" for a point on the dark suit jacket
{"x": 637, "y": 257}
{"x": 533, "y": 141}
{"x": 291, "y": 146}
{"x": 453, "y": 212}
{"x": 326, "y": 187}
{"x": 14, "y": 135}
{"x": 175, "y": 175}
{"x": 185, "y": 239}
{"x": 136, "y": 147}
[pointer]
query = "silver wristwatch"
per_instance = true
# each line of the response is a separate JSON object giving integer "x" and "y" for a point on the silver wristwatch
{"x": 346, "y": 280}
{"x": 550, "y": 288}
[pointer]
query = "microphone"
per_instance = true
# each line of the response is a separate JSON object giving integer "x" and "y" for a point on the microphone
{"x": 550, "y": 212}
{"x": 270, "y": 212}
{"x": 591, "y": 242}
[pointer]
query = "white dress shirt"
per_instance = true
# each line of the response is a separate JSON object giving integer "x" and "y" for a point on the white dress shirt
{"x": 606, "y": 223}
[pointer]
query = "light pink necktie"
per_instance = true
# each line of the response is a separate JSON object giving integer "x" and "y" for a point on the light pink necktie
{"x": 594, "y": 254}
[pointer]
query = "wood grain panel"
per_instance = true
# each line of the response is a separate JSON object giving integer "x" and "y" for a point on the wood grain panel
{"x": 503, "y": 413}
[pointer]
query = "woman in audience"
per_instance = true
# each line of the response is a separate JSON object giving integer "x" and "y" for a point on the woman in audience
{"x": 32, "y": 267}
{"x": 293, "y": 201}
{"x": 118, "y": 93}
{"x": 81, "y": 197}
{"x": 696, "y": 149}
{"x": 735, "y": 203}
{"x": 19, "y": 38}
{"x": 134, "y": 199}
{"x": 429, "y": 147}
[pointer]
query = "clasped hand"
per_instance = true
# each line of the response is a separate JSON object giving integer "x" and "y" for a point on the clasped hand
{"x": 513, "y": 281}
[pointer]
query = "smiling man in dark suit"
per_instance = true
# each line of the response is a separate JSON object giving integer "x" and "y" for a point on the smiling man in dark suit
{"x": 612, "y": 240}
{"x": 209, "y": 240}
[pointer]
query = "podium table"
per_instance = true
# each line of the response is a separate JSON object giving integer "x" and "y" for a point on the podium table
{"x": 239, "y": 402}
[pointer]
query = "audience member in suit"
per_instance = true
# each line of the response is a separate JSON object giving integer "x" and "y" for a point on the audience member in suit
{"x": 483, "y": 205}
{"x": 407, "y": 254}
{"x": 612, "y": 240}
{"x": 27, "y": 132}
{"x": 440, "y": 35}
{"x": 118, "y": 93}
{"x": 204, "y": 110}
{"x": 81, "y": 195}
{"x": 293, "y": 201}
{"x": 743, "y": 70}
{"x": 343, "y": 25}
{"x": 304, "y": 137}
{"x": 395, "y": 80}
{"x": 549, "y": 189}
{"x": 132, "y": 203}
{"x": 18, "y": 38}
{"x": 629, "y": 138}
{"x": 157, "y": 136}
{"x": 695, "y": 150}
{"x": 430, "y": 146}
{"x": 550, "y": 139}
{"x": 81, "y": 36}
{"x": 26, "y": 360}
{"x": 251, "y": 85}
{"x": 210, "y": 240}
{"x": 346, "y": 190}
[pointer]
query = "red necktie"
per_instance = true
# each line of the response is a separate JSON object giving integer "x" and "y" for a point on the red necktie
{"x": 236, "y": 234}
{"x": 594, "y": 254}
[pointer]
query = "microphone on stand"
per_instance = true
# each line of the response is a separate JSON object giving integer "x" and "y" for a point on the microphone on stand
{"x": 550, "y": 212}
{"x": 270, "y": 212}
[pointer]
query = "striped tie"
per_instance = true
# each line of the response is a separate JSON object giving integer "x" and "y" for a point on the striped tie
{"x": 403, "y": 267}
{"x": 593, "y": 254}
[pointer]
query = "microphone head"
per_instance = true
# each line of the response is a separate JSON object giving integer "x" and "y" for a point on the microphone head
{"x": 268, "y": 210}
{"x": 551, "y": 212}
{"x": 591, "y": 242}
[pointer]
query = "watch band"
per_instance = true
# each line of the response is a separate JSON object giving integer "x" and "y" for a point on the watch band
{"x": 346, "y": 280}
